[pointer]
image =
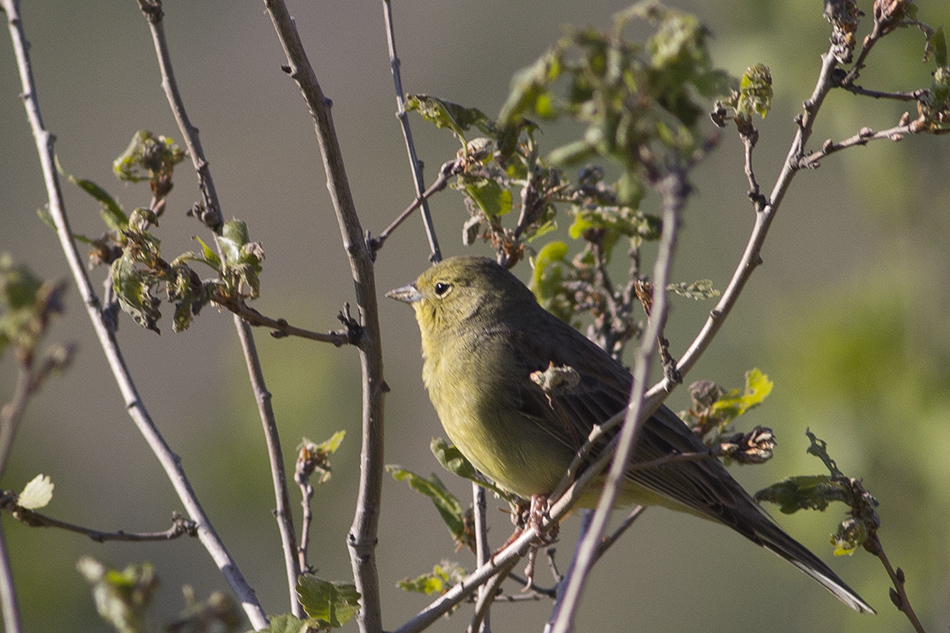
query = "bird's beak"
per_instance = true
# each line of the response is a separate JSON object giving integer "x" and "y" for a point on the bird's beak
{"x": 408, "y": 294}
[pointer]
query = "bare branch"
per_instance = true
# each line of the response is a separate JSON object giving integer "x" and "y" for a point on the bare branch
{"x": 414, "y": 162}
{"x": 136, "y": 409}
{"x": 448, "y": 169}
{"x": 863, "y": 137}
{"x": 180, "y": 526}
{"x": 280, "y": 326}
{"x": 898, "y": 593}
{"x": 363, "y": 533}
{"x": 212, "y": 217}
{"x": 673, "y": 191}
{"x": 12, "y": 412}
{"x": 8, "y": 601}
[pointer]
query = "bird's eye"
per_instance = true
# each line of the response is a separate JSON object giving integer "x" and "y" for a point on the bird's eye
{"x": 442, "y": 289}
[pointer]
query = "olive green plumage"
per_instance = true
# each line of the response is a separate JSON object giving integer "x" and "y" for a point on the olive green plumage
{"x": 483, "y": 334}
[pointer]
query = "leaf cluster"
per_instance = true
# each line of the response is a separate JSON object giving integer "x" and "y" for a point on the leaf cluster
{"x": 639, "y": 104}
{"x": 133, "y": 252}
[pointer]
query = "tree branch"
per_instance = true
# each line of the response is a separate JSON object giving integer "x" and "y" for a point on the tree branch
{"x": 673, "y": 191}
{"x": 363, "y": 533}
{"x": 212, "y": 217}
{"x": 133, "y": 403}
{"x": 751, "y": 257}
{"x": 414, "y": 162}
{"x": 180, "y": 526}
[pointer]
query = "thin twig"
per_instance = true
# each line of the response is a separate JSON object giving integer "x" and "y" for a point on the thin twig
{"x": 486, "y": 595}
{"x": 280, "y": 326}
{"x": 133, "y": 403}
{"x": 751, "y": 257}
{"x": 863, "y": 137}
{"x": 612, "y": 538}
{"x": 306, "y": 496}
{"x": 448, "y": 169}
{"x": 8, "y": 601}
{"x": 414, "y": 162}
{"x": 12, "y": 412}
{"x": 482, "y": 553}
{"x": 212, "y": 217}
{"x": 673, "y": 191}
{"x": 898, "y": 593}
{"x": 180, "y": 527}
{"x": 362, "y": 537}
{"x": 915, "y": 95}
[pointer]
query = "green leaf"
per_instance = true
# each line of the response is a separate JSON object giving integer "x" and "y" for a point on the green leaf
{"x": 315, "y": 458}
{"x": 489, "y": 196}
{"x": 552, "y": 252}
{"x": 698, "y": 290}
{"x": 448, "y": 505}
{"x": 443, "y": 577}
{"x": 334, "y": 603}
{"x": 121, "y": 596}
{"x": 804, "y": 492}
{"x": 112, "y": 213}
{"x": 133, "y": 289}
{"x": 445, "y": 114}
{"x": 939, "y": 44}
{"x": 733, "y": 404}
{"x": 288, "y": 623}
{"x": 530, "y": 94}
{"x": 210, "y": 257}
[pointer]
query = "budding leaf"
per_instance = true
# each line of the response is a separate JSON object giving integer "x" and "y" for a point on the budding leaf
{"x": 36, "y": 494}
{"x": 490, "y": 197}
{"x": 442, "y": 578}
{"x": 755, "y": 91}
{"x": 733, "y": 404}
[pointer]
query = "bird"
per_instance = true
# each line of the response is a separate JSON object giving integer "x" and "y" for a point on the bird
{"x": 485, "y": 337}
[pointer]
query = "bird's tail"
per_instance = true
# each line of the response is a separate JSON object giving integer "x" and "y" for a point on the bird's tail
{"x": 775, "y": 540}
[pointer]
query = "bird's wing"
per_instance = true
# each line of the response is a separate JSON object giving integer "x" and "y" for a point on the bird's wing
{"x": 569, "y": 414}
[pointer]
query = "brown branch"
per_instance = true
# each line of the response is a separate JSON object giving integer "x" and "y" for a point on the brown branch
{"x": 898, "y": 592}
{"x": 280, "y": 326}
{"x": 673, "y": 191}
{"x": 401, "y": 114}
{"x": 133, "y": 403}
{"x": 363, "y": 533}
{"x": 212, "y": 217}
{"x": 863, "y": 137}
{"x": 448, "y": 169}
{"x": 8, "y": 601}
{"x": 916, "y": 95}
{"x": 180, "y": 526}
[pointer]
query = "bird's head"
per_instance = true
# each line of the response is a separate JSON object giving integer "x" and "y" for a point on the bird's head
{"x": 460, "y": 289}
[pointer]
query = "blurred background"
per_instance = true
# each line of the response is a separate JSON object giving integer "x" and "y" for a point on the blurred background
{"x": 848, "y": 315}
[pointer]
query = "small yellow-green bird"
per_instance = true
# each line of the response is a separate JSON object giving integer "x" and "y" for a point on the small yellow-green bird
{"x": 483, "y": 335}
